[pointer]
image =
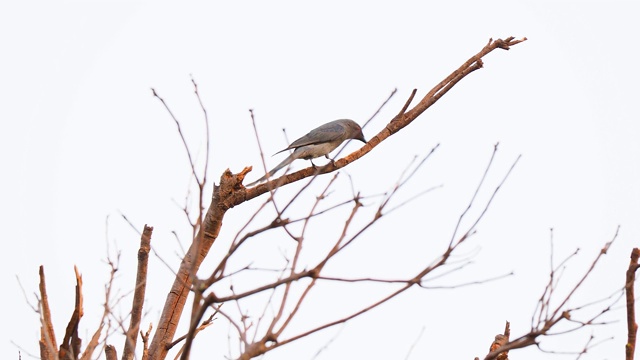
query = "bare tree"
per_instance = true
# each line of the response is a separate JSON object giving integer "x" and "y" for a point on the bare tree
{"x": 221, "y": 292}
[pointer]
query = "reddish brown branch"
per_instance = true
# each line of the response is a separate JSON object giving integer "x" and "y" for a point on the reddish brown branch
{"x": 70, "y": 347}
{"x": 632, "y": 326}
{"x": 138, "y": 294}
{"x": 225, "y": 196}
{"x": 47, "y": 334}
{"x": 407, "y": 103}
{"x": 400, "y": 121}
{"x": 145, "y": 343}
{"x": 110, "y": 352}
{"x": 501, "y": 340}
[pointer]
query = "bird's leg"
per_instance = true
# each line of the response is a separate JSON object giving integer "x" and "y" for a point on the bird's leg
{"x": 312, "y": 164}
{"x": 330, "y": 159}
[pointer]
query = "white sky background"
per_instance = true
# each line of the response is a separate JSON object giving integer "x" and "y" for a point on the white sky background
{"x": 82, "y": 139}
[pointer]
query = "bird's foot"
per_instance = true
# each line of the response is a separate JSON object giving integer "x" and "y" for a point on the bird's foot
{"x": 333, "y": 163}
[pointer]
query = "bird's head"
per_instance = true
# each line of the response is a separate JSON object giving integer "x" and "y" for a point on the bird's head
{"x": 355, "y": 131}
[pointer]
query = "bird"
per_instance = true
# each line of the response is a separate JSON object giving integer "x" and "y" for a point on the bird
{"x": 318, "y": 142}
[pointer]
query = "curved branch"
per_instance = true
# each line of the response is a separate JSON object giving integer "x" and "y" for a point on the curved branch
{"x": 400, "y": 121}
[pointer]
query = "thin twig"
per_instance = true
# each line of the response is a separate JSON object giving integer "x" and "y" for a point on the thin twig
{"x": 184, "y": 140}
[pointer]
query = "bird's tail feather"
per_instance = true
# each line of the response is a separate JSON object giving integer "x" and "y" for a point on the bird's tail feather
{"x": 270, "y": 174}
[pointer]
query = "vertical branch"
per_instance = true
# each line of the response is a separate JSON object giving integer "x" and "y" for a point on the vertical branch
{"x": 145, "y": 343}
{"x": 500, "y": 340}
{"x": 47, "y": 334}
{"x": 70, "y": 347}
{"x": 95, "y": 339}
{"x": 139, "y": 293}
{"x": 205, "y": 231}
{"x": 202, "y": 183}
{"x": 632, "y": 326}
{"x": 208, "y": 135}
{"x": 224, "y": 198}
{"x": 110, "y": 352}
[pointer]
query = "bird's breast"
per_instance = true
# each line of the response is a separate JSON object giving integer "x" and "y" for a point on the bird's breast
{"x": 313, "y": 151}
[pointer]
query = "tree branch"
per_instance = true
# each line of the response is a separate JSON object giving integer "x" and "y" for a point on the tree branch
{"x": 397, "y": 123}
{"x": 632, "y": 326}
{"x": 139, "y": 294}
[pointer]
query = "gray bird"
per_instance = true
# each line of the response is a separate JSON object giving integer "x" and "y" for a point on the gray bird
{"x": 318, "y": 142}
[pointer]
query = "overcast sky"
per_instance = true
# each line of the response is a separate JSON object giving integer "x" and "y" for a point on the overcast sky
{"x": 83, "y": 141}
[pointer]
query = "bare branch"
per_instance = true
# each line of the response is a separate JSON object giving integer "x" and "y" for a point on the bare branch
{"x": 556, "y": 315}
{"x": 379, "y": 108}
{"x": 415, "y": 343}
{"x": 205, "y": 324}
{"x": 207, "y": 137}
{"x": 184, "y": 140}
{"x": 111, "y": 353}
{"x": 484, "y": 176}
{"x": 397, "y": 123}
{"x": 48, "y": 342}
{"x": 632, "y": 326}
{"x": 139, "y": 294}
{"x": 135, "y": 228}
{"x": 407, "y": 103}
{"x": 70, "y": 346}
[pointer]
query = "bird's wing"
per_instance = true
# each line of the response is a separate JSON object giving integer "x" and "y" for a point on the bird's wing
{"x": 324, "y": 133}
